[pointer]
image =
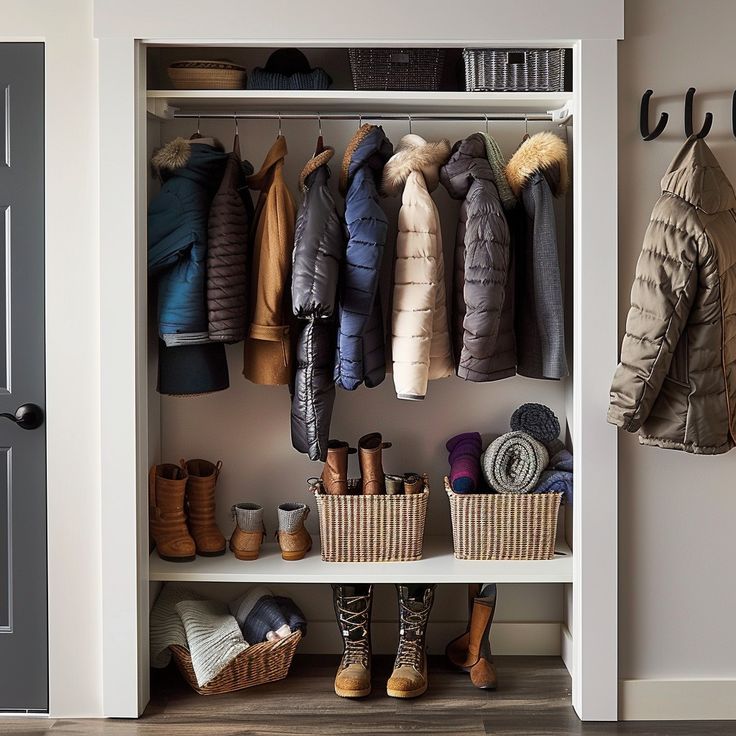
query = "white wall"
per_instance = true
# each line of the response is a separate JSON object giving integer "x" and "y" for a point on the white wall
{"x": 72, "y": 343}
{"x": 677, "y": 511}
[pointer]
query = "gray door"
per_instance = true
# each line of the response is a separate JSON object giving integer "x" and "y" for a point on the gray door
{"x": 23, "y": 614}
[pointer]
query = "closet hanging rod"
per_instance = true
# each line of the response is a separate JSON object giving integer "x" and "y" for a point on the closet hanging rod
{"x": 369, "y": 116}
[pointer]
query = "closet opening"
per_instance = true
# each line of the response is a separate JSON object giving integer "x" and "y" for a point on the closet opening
{"x": 246, "y": 426}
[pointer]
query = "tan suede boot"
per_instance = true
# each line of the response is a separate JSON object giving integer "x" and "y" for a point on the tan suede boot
{"x": 167, "y": 521}
{"x": 457, "y": 650}
{"x": 245, "y": 542}
{"x": 335, "y": 471}
{"x": 370, "y": 447}
{"x": 409, "y": 678}
{"x": 471, "y": 652}
{"x": 353, "y": 613}
{"x": 294, "y": 539}
{"x": 201, "y": 507}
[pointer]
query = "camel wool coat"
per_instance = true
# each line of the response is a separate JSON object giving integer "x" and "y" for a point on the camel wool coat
{"x": 268, "y": 350}
{"x": 420, "y": 338}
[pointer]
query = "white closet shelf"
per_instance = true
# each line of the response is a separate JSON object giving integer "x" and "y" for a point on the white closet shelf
{"x": 438, "y": 565}
{"x": 163, "y": 102}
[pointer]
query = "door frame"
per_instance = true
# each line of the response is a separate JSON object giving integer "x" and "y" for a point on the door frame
{"x": 592, "y": 27}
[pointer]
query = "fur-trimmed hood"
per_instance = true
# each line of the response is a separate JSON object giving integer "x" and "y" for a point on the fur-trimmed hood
{"x": 370, "y": 148}
{"x": 415, "y": 154}
{"x": 199, "y": 158}
{"x": 543, "y": 153}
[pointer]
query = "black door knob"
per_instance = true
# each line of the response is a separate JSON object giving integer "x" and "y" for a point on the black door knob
{"x": 27, "y": 416}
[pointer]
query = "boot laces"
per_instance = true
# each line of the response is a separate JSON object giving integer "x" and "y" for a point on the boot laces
{"x": 413, "y": 626}
{"x": 354, "y": 622}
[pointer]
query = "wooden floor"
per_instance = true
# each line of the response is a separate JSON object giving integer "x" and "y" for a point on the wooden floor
{"x": 533, "y": 700}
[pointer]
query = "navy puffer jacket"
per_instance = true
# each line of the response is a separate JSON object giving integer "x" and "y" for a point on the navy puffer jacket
{"x": 319, "y": 248}
{"x": 360, "y": 338}
{"x": 191, "y": 172}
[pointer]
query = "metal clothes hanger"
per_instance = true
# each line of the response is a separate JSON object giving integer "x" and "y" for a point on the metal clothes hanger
{"x": 196, "y": 135}
{"x": 409, "y": 117}
{"x": 320, "y": 140}
{"x": 485, "y": 115}
{"x": 526, "y": 129}
{"x": 278, "y": 135}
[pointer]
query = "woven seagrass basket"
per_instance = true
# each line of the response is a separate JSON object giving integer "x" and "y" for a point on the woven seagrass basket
{"x": 206, "y": 75}
{"x": 268, "y": 661}
{"x": 356, "y": 528}
{"x": 396, "y": 69}
{"x": 504, "y": 526}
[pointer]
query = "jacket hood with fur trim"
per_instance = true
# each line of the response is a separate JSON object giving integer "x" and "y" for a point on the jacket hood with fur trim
{"x": 543, "y": 153}
{"x": 201, "y": 159}
{"x": 369, "y": 148}
{"x": 415, "y": 154}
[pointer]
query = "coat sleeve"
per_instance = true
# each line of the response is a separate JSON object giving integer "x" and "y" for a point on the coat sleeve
{"x": 662, "y": 295}
{"x": 415, "y": 284}
{"x": 487, "y": 257}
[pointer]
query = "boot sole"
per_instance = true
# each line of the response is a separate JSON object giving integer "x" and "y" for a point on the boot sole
{"x": 291, "y": 556}
{"x": 177, "y": 559}
{"x": 352, "y": 693}
{"x": 246, "y": 558}
{"x": 406, "y": 693}
{"x": 219, "y": 553}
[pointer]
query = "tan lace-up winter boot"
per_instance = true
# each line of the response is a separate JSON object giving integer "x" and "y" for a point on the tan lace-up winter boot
{"x": 353, "y": 612}
{"x": 293, "y": 536}
{"x": 245, "y": 542}
{"x": 372, "y": 480}
{"x": 167, "y": 521}
{"x": 201, "y": 507}
{"x": 409, "y": 678}
{"x": 335, "y": 471}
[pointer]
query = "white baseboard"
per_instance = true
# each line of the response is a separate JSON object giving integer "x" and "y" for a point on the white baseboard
{"x": 677, "y": 700}
{"x": 566, "y": 644}
{"x": 506, "y": 638}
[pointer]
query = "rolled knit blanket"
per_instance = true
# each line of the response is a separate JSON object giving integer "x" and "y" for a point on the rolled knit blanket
{"x": 465, "y": 450}
{"x": 561, "y": 460}
{"x": 537, "y": 420}
{"x": 555, "y": 481}
{"x": 513, "y": 463}
{"x": 259, "y": 616}
{"x": 293, "y": 614}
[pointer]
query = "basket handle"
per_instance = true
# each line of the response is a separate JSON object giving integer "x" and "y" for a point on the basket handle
{"x": 516, "y": 58}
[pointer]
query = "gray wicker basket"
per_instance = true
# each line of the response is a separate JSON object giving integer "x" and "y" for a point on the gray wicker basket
{"x": 504, "y": 526}
{"x": 397, "y": 69}
{"x": 514, "y": 70}
{"x": 384, "y": 528}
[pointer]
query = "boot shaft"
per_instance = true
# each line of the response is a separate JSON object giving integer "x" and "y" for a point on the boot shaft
{"x": 353, "y": 605}
{"x": 370, "y": 456}
{"x": 167, "y": 489}
{"x": 335, "y": 471}
{"x": 414, "y": 609}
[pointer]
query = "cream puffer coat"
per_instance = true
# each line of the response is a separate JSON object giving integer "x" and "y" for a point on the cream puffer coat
{"x": 420, "y": 339}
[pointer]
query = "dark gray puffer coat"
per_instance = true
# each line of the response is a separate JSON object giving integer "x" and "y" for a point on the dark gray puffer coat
{"x": 319, "y": 248}
{"x": 482, "y": 312}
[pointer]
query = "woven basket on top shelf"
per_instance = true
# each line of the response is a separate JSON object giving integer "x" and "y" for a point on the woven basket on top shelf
{"x": 268, "y": 661}
{"x": 207, "y": 75}
{"x": 504, "y": 526}
{"x": 396, "y": 69}
{"x": 514, "y": 70}
{"x": 382, "y": 528}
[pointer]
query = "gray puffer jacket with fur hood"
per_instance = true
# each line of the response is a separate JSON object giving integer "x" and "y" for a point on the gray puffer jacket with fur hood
{"x": 483, "y": 299}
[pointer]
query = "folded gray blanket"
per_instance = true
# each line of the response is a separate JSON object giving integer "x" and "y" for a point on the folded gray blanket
{"x": 165, "y": 626}
{"x": 513, "y": 463}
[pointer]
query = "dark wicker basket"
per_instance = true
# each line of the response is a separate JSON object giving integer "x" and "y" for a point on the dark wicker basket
{"x": 397, "y": 69}
{"x": 514, "y": 70}
{"x": 268, "y": 661}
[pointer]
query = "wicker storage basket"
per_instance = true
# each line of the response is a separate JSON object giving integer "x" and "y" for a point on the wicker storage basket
{"x": 514, "y": 70}
{"x": 383, "y": 528}
{"x": 397, "y": 69}
{"x": 206, "y": 75}
{"x": 268, "y": 661}
{"x": 504, "y": 526}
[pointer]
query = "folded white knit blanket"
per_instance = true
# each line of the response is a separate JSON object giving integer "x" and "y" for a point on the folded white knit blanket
{"x": 213, "y": 637}
{"x": 165, "y": 623}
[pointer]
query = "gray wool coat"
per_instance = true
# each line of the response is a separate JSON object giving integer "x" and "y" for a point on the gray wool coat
{"x": 537, "y": 173}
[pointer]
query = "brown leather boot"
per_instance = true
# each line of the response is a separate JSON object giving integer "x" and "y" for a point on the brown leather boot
{"x": 293, "y": 537}
{"x": 335, "y": 471}
{"x": 353, "y": 613}
{"x": 370, "y": 446}
{"x": 201, "y": 507}
{"x": 167, "y": 522}
{"x": 245, "y": 542}
{"x": 457, "y": 650}
{"x": 409, "y": 677}
{"x": 413, "y": 483}
{"x": 478, "y": 659}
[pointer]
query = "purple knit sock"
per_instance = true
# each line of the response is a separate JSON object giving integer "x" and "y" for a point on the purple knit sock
{"x": 465, "y": 450}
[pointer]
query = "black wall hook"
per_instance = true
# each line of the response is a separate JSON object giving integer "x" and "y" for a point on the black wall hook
{"x": 689, "y": 117}
{"x": 733, "y": 114}
{"x": 646, "y": 134}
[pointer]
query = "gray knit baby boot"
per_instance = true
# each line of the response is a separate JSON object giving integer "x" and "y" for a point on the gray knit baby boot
{"x": 293, "y": 537}
{"x": 249, "y": 531}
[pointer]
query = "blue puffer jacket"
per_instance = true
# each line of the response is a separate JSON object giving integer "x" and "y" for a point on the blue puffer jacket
{"x": 191, "y": 171}
{"x": 360, "y": 339}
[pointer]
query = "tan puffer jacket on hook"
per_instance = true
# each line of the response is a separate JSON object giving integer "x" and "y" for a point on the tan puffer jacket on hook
{"x": 420, "y": 339}
{"x": 676, "y": 383}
